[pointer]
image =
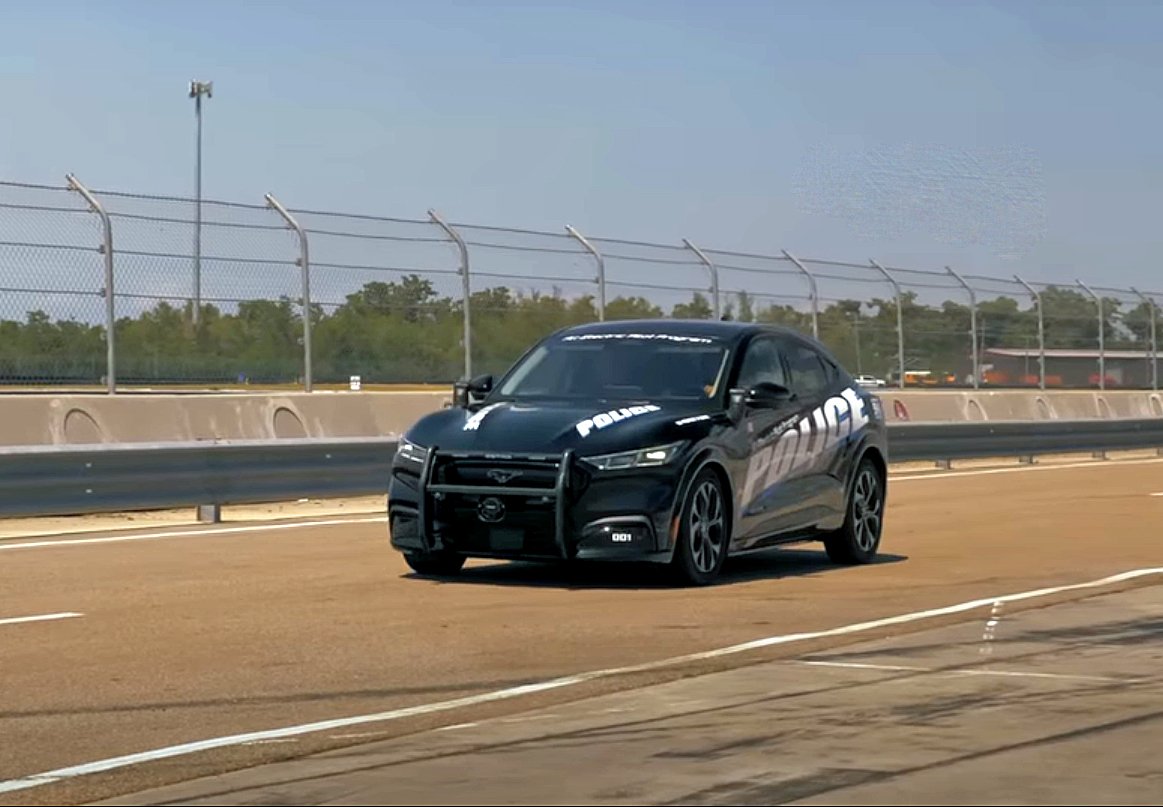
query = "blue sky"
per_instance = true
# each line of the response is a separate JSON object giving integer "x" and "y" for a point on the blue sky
{"x": 751, "y": 126}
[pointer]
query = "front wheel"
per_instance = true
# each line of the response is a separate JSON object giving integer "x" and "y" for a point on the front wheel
{"x": 858, "y": 540}
{"x": 703, "y": 535}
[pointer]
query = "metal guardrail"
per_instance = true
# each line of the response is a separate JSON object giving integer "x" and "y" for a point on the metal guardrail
{"x": 62, "y": 480}
{"x": 944, "y": 442}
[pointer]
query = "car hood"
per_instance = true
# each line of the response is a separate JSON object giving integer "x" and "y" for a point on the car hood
{"x": 552, "y": 427}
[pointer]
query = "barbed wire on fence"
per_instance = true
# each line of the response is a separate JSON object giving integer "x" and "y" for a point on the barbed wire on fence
{"x": 254, "y": 292}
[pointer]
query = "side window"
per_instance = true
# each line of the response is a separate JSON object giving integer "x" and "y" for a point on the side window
{"x": 808, "y": 375}
{"x": 761, "y": 362}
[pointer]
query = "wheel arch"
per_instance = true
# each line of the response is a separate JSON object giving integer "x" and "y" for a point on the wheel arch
{"x": 868, "y": 448}
{"x": 706, "y": 458}
{"x": 874, "y": 453}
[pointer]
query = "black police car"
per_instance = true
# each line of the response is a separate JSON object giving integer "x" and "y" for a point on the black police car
{"x": 678, "y": 441}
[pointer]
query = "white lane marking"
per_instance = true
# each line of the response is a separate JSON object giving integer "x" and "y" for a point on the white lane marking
{"x": 1160, "y": 493}
{"x": 1020, "y": 469}
{"x": 155, "y": 536}
{"x": 457, "y": 726}
{"x": 991, "y": 624}
{"x": 48, "y": 777}
{"x": 16, "y": 620}
{"x": 1058, "y": 676}
{"x": 858, "y": 665}
{"x": 528, "y": 718}
{"x": 854, "y": 665}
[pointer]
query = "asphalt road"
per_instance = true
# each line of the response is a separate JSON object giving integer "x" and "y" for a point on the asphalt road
{"x": 200, "y": 636}
{"x": 1059, "y": 705}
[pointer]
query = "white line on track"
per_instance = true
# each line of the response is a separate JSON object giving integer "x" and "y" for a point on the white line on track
{"x": 853, "y": 665}
{"x": 155, "y": 536}
{"x": 233, "y": 740}
{"x": 859, "y": 665}
{"x": 16, "y": 620}
{"x": 49, "y": 543}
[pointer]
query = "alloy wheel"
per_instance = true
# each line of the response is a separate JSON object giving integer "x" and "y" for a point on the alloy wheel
{"x": 705, "y": 527}
{"x": 867, "y": 507}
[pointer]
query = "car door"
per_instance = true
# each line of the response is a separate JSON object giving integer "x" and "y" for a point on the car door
{"x": 770, "y": 482}
{"x": 813, "y": 380}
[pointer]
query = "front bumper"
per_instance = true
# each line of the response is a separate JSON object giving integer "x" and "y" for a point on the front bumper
{"x": 536, "y": 506}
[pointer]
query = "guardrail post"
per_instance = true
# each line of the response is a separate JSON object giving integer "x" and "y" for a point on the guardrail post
{"x": 106, "y": 249}
{"x": 305, "y": 268}
{"x": 1153, "y": 312}
{"x": 466, "y": 286}
{"x": 972, "y": 322}
{"x": 1101, "y": 331}
{"x": 813, "y": 291}
{"x": 900, "y": 328}
{"x": 714, "y": 270}
{"x": 601, "y": 280}
{"x": 1041, "y": 332}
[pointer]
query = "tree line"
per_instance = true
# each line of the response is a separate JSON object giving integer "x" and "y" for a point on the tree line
{"x": 404, "y": 331}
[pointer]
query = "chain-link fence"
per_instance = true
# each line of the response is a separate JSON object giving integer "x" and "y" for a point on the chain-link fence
{"x": 52, "y": 287}
{"x": 213, "y": 294}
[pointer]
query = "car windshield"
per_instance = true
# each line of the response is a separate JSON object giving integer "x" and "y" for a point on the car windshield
{"x": 621, "y": 366}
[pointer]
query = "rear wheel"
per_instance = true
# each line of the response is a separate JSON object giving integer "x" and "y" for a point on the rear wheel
{"x": 859, "y": 539}
{"x": 435, "y": 564}
{"x": 702, "y": 534}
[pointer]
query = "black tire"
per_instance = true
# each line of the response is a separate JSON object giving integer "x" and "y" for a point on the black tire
{"x": 703, "y": 532}
{"x": 435, "y": 564}
{"x": 859, "y": 539}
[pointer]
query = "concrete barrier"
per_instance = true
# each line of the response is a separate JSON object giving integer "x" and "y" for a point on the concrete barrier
{"x": 941, "y": 406}
{"x": 81, "y": 419}
{"x": 157, "y": 417}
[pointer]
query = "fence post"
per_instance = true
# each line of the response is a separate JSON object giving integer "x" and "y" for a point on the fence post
{"x": 601, "y": 270}
{"x": 110, "y": 313}
{"x": 814, "y": 292}
{"x": 305, "y": 268}
{"x": 1101, "y": 330}
{"x": 900, "y": 327}
{"x": 972, "y": 321}
{"x": 1041, "y": 332}
{"x": 466, "y": 286}
{"x": 1153, "y": 311}
{"x": 714, "y": 270}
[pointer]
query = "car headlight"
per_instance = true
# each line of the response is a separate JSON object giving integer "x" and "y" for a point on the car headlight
{"x": 409, "y": 451}
{"x": 638, "y": 458}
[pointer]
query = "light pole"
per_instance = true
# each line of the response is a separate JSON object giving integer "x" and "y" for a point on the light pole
{"x": 197, "y": 90}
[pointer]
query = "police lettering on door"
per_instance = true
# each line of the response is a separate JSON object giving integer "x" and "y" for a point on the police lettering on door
{"x": 837, "y": 419}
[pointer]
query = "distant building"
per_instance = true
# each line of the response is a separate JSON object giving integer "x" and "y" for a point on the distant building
{"x": 1003, "y": 366}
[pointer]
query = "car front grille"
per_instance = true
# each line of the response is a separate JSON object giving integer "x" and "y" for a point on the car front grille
{"x": 501, "y": 503}
{"x": 503, "y": 474}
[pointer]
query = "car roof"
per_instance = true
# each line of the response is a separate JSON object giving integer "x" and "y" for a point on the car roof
{"x": 722, "y": 329}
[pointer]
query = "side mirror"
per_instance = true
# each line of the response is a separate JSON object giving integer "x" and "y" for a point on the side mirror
{"x": 466, "y": 393}
{"x": 766, "y": 395}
